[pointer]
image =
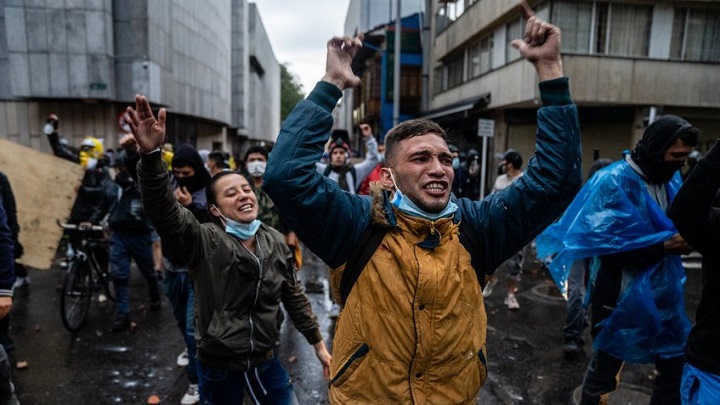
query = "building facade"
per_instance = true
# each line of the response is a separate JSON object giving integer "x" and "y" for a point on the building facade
{"x": 374, "y": 17}
{"x": 628, "y": 61}
{"x": 206, "y": 61}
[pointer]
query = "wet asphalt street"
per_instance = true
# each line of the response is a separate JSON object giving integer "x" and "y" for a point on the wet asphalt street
{"x": 97, "y": 366}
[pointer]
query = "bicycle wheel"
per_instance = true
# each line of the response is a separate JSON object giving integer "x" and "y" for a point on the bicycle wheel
{"x": 76, "y": 294}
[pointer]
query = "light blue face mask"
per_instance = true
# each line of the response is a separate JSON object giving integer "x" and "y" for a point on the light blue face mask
{"x": 405, "y": 205}
{"x": 241, "y": 230}
{"x": 456, "y": 163}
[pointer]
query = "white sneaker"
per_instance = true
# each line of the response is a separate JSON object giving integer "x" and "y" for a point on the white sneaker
{"x": 21, "y": 281}
{"x": 182, "y": 360}
{"x": 511, "y": 302}
{"x": 192, "y": 396}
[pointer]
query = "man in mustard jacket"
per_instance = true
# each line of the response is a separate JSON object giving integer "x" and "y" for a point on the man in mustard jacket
{"x": 413, "y": 325}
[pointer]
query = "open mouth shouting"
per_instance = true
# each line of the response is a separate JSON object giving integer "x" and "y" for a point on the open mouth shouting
{"x": 436, "y": 188}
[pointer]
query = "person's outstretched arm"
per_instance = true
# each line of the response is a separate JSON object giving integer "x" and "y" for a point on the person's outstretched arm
{"x": 176, "y": 225}
{"x": 327, "y": 219}
{"x": 66, "y": 152}
{"x": 372, "y": 158}
{"x": 692, "y": 210}
{"x": 511, "y": 218}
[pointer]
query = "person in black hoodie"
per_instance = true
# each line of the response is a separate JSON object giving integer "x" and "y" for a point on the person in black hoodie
{"x": 131, "y": 238}
{"x": 697, "y": 217}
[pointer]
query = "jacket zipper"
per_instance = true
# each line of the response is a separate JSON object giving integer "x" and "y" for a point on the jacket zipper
{"x": 359, "y": 353}
{"x": 259, "y": 261}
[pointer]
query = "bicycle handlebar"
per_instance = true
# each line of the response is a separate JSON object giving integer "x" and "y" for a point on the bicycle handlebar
{"x": 78, "y": 227}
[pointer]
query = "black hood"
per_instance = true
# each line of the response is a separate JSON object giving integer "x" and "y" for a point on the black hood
{"x": 649, "y": 153}
{"x": 187, "y": 155}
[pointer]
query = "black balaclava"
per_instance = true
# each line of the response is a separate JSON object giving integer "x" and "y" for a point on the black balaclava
{"x": 187, "y": 155}
{"x": 649, "y": 153}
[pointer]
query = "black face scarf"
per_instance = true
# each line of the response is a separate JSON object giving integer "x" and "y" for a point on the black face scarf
{"x": 649, "y": 153}
{"x": 123, "y": 179}
{"x": 189, "y": 182}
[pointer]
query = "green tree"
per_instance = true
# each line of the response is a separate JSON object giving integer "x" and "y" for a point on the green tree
{"x": 291, "y": 90}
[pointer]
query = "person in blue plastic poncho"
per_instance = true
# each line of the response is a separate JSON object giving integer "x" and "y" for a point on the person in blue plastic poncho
{"x": 696, "y": 214}
{"x": 636, "y": 281}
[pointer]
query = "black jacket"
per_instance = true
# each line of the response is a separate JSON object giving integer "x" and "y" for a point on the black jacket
{"x": 121, "y": 200}
{"x": 698, "y": 222}
{"x": 8, "y": 200}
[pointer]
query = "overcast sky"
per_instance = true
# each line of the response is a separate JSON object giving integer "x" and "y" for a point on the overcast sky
{"x": 299, "y": 31}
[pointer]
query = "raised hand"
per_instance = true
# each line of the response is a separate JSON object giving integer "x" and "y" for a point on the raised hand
{"x": 340, "y": 52}
{"x": 149, "y": 132}
{"x": 128, "y": 142}
{"x": 366, "y": 130}
{"x": 541, "y": 45}
{"x": 183, "y": 196}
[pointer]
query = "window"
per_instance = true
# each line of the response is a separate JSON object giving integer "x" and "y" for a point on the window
{"x": 439, "y": 80}
{"x": 479, "y": 57}
{"x": 629, "y": 30}
{"x": 514, "y": 30}
{"x": 410, "y": 90}
{"x": 454, "y": 71}
{"x": 449, "y": 11}
{"x": 604, "y": 28}
{"x": 575, "y": 19}
{"x": 695, "y": 35}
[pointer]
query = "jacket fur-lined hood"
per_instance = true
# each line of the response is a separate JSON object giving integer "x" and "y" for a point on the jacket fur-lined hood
{"x": 381, "y": 213}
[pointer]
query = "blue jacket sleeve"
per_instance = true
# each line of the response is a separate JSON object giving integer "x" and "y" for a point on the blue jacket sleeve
{"x": 7, "y": 257}
{"x": 509, "y": 219}
{"x": 327, "y": 219}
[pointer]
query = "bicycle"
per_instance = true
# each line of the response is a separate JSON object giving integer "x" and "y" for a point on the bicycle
{"x": 84, "y": 274}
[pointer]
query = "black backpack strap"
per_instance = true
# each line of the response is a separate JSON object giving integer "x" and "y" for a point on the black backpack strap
{"x": 327, "y": 170}
{"x": 471, "y": 241}
{"x": 360, "y": 255}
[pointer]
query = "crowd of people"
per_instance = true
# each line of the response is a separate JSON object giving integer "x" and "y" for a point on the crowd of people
{"x": 417, "y": 252}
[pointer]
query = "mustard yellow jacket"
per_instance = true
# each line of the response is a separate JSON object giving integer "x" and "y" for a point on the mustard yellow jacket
{"x": 413, "y": 327}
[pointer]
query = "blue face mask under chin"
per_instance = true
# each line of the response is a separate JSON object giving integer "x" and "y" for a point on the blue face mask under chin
{"x": 405, "y": 205}
{"x": 243, "y": 231}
